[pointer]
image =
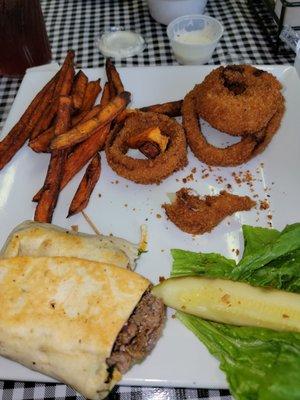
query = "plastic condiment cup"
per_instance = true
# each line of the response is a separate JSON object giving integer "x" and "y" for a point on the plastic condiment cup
{"x": 118, "y": 43}
{"x": 165, "y": 11}
{"x": 194, "y": 38}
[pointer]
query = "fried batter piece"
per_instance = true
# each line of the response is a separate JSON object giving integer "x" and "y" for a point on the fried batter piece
{"x": 196, "y": 215}
{"x": 238, "y": 99}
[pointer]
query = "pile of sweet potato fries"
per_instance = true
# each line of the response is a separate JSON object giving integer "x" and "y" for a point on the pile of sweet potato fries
{"x": 64, "y": 121}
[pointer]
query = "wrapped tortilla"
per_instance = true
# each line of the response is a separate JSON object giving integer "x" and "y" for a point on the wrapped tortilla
{"x": 81, "y": 322}
{"x": 38, "y": 239}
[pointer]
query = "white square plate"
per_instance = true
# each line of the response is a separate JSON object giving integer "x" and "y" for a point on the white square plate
{"x": 179, "y": 359}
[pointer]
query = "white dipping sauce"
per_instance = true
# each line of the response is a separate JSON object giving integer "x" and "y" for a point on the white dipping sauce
{"x": 195, "y": 37}
{"x": 121, "y": 44}
{"x": 194, "y": 47}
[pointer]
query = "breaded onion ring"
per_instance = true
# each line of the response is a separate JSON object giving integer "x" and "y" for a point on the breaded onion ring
{"x": 235, "y": 154}
{"x": 238, "y": 99}
{"x": 270, "y": 129}
{"x": 150, "y": 170}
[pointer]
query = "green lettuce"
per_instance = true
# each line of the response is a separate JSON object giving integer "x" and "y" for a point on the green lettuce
{"x": 260, "y": 364}
{"x": 212, "y": 265}
{"x": 270, "y": 258}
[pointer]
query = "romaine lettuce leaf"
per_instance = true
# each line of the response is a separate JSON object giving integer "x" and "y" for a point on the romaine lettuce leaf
{"x": 282, "y": 246}
{"x": 213, "y": 265}
{"x": 256, "y": 237}
{"x": 271, "y": 258}
{"x": 260, "y": 364}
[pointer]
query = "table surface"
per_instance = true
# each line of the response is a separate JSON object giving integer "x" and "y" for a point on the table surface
{"x": 75, "y": 24}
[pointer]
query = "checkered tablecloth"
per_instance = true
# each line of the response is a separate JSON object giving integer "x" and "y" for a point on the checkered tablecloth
{"x": 249, "y": 30}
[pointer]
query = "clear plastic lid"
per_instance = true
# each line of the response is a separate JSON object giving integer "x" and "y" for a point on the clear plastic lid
{"x": 118, "y": 43}
{"x": 291, "y": 37}
{"x": 292, "y": 40}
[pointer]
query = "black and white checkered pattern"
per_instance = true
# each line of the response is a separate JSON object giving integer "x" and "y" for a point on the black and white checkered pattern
{"x": 10, "y": 390}
{"x": 75, "y": 24}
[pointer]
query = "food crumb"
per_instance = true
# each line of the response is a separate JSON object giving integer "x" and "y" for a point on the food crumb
{"x": 161, "y": 279}
{"x": 74, "y": 228}
{"x": 220, "y": 179}
{"x": 236, "y": 178}
{"x": 158, "y": 216}
{"x": 264, "y": 204}
{"x": 188, "y": 178}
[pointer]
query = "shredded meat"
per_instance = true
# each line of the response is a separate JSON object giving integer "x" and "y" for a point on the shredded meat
{"x": 139, "y": 335}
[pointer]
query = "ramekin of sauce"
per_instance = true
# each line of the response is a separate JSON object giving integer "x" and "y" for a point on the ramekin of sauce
{"x": 193, "y": 38}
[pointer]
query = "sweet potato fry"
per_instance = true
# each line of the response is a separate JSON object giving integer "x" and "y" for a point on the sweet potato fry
{"x": 78, "y": 89}
{"x": 105, "y": 95}
{"x": 41, "y": 143}
{"x": 85, "y": 129}
{"x": 152, "y": 134}
{"x": 86, "y": 186}
{"x": 65, "y": 68}
{"x": 125, "y": 114}
{"x": 150, "y": 150}
{"x": 37, "y": 196}
{"x": 171, "y": 108}
{"x": 63, "y": 120}
{"x": 67, "y": 83}
{"x": 86, "y": 115}
{"x": 62, "y": 88}
{"x": 111, "y": 86}
{"x": 51, "y": 188}
{"x": 91, "y": 93}
{"x": 83, "y": 152}
{"x": 114, "y": 77}
{"x": 45, "y": 119}
{"x": 18, "y": 135}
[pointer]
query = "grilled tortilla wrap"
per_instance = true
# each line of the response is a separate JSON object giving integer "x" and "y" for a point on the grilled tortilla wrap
{"x": 37, "y": 239}
{"x": 61, "y": 316}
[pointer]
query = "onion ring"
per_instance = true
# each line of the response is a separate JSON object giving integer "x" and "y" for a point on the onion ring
{"x": 235, "y": 154}
{"x": 238, "y": 99}
{"x": 270, "y": 129}
{"x": 147, "y": 171}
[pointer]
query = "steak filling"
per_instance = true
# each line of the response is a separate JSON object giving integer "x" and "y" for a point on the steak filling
{"x": 139, "y": 335}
